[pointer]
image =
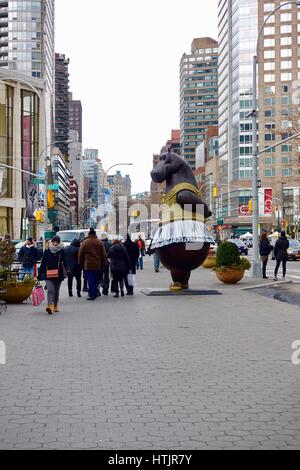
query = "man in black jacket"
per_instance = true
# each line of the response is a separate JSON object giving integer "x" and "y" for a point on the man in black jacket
{"x": 104, "y": 273}
{"x": 281, "y": 254}
{"x": 74, "y": 269}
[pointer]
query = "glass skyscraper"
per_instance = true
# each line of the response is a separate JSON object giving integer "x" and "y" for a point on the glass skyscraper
{"x": 27, "y": 38}
{"x": 238, "y": 30}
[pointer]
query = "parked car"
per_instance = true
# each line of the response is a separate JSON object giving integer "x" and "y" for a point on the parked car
{"x": 294, "y": 250}
{"x": 67, "y": 236}
{"x": 241, "y": 246}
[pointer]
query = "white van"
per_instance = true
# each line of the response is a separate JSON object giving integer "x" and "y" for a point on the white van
{"x": 67, "y": 236}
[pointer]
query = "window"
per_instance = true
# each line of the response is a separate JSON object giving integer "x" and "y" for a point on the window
{"x": 285, "y": 7}
{"x": 270, "y": 172}
{"x": 286, "y": 53}
{"x": 270, "y": 78}
{"x": 286, "y": 41}
{"x": 268, "y": 7}
{"x": 286, "y": 77}
{"x": 284, "y": 100}
{"x": 285, "y": 88}
{"x": 286, "y": 64}
{"x": 269, "y": 54}
{"x": 269, "y": 66}
{"x": 6, "y": 138}
{"x": 270, "y": 137}
{"x": 269, "y": 89}
{"x": 285, "y": 160}
{"x": 269, "y": 31}
{"x": 269, "y": 42}
{"x": 270, "y": 161}
{"x": 286, "y": 172}
{"x": 286, "y": 148}
{"x": 270, "y": 113}
{"x": 286, "y": 29}
{"x": 286, "y": 17}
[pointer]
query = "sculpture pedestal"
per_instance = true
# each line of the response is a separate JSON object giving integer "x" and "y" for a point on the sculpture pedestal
{"x": 184, "y": 292}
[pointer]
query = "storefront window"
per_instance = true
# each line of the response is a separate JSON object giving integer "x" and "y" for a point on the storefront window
{"x": 6, "y": 225}
{"x": 6, "y": 137}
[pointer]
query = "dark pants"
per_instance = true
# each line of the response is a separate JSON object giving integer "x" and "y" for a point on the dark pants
{"x": 92, "y": 279}
{"x": 53, "y": 287}
{"x": 140, "y": 263}
{"x": 119, "y": 278}
{"x": 265, "y": 264}
{"x": 104, "y": 280}
{"x": 278, "y": 263}
{"x": 77, "y": 276}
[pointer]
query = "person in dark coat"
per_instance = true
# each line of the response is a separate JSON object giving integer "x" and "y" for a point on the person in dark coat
{"x": 74, "y": 269}
{"x": 133, "y": 253}
{"x": 28, "y": 256}
{"x": 92, "y": 257}
{"x": 120, "y": 266}
{"x": 104, "y": 272}
{"x": 265, "y": 249}
{"x": 281, "y": 254}
{"x": 54, "y": 259}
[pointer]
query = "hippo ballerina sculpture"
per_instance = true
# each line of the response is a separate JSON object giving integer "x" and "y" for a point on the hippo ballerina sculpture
{"x": 182, "y": 241}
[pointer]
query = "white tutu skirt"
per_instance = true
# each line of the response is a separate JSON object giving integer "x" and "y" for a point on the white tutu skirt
{"x": 181, "y": 231}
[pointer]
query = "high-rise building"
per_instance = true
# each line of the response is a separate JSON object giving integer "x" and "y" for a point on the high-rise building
{"x": 75, "y": 116}
{"x": 198, "y": 95}
{"x": 76, "y": 166}
{"x": 279, "y": 74}
{"x": 27, "y": 38}
{"x": 238, "y": 30}
{"x": 119, "y": 185}
{"x": 62, "y": 102}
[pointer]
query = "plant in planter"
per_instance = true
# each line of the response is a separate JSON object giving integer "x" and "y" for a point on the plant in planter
{"x": 231, "y": 266}
{"x": 13, "y": 288}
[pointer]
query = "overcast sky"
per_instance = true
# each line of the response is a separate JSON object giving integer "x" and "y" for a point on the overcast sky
{"x": 125, "y": 58}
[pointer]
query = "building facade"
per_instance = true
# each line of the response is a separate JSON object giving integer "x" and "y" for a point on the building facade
{"x": 62, "y": 103}
{"x": 61, "y": 215}
{"x": 21, "y": 146}
{"x": 198, "y": 95}
{"x": 27, "y": 33}
{"x": 119, "y": 185}
{"x": 75, "y": 116}
{"x": 279, "y": 75}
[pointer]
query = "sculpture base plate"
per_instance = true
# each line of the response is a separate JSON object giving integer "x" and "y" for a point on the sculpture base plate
{"x": 184, "y": 292}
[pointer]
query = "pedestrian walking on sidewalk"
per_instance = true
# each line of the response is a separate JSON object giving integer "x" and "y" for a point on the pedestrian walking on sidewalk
{"x": 142, "y": 253}
{"x": 265, "y": 249}
{"x": 92, "y": 257}
{"x": 74, "y": 269}
{"x": 53, "y": 270}
{"x": 120, "y": 266}
{"x": 133, "y": 253}
{"x": 28, "y": 257}
{"x": 104, "y": 272}
{"x": 281, "y": 254}
{"x": 156, "y": 262}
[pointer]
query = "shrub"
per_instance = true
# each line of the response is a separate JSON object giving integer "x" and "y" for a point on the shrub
{"x": 228, "y": 255}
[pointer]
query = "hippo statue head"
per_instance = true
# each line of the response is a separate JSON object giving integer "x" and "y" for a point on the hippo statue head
{"x": 172, "y": 167}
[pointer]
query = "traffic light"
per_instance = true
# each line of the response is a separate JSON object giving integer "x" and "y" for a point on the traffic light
{"x": 51, "y": 199}
{"x": 216, "y": 192}
{"x": 250, "y": 205}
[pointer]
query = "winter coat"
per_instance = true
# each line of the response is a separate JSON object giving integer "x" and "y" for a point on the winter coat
{"x": 265, "y": 247}
{"x": 107, "y": 245}
{"x": 92, "y": 255}
{"x": 28, "y": 256}
{"x": 52, "y": 261}
{"x": 119, "y": 259}
{"x": 133, "y": 253}
{"x": 72, "y": 257}
{"x": 281, "y": 247}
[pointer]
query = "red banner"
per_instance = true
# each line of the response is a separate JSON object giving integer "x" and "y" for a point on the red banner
{"x": 268, "y": 201}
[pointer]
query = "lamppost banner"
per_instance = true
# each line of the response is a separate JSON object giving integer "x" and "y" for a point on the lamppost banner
{"x": 32, "y": 200}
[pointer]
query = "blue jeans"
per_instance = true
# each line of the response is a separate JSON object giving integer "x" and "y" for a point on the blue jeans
{"x": 140, "y": 263}
{"x": 92, "y": 279}
{"x": 27, "y": 271}
{"x": 156, "y": 262}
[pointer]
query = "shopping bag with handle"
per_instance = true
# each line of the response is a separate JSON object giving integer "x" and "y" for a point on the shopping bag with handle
{"x": 38, "y": 295}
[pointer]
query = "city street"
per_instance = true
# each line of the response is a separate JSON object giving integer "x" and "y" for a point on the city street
{"x": 210, "y": 372}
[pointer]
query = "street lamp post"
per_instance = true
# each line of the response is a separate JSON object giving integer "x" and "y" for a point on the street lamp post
{"x": 256, "y": 265}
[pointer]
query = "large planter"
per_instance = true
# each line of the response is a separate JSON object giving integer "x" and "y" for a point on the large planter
{"x": 230, "y": 277}
{"x": 16, "y": 294}
{"x": 210, "y": 262}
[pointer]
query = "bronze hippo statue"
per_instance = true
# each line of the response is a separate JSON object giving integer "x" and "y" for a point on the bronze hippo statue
{"x": 182, "y": 241}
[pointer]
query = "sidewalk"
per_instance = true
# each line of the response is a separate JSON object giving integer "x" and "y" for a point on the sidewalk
{"x": 152, "y": 373}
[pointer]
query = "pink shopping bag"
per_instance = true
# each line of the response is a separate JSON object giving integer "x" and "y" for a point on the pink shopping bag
{"x": 38, "y": 296}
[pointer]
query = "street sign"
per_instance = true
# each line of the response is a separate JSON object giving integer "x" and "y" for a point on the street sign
{"x": 53, "y": 187}
{"x": 38, "y": 181}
